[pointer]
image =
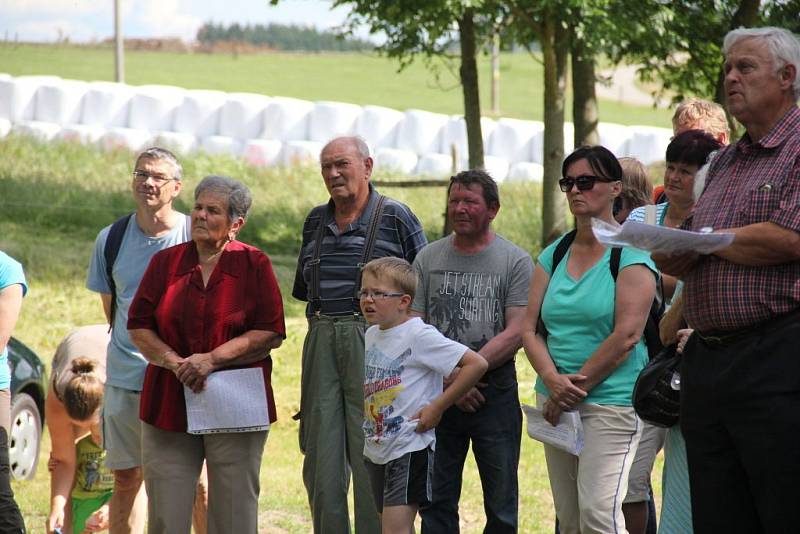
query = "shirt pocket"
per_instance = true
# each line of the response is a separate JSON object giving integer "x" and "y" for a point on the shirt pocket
{"x": 759, "y": 204}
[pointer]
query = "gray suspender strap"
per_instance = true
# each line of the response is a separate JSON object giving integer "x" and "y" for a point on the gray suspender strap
{"x": 314, "y": 298}
{"x": 369, "y": 243}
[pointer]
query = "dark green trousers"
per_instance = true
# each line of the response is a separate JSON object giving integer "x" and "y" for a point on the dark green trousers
{"x": 331, "y": 437}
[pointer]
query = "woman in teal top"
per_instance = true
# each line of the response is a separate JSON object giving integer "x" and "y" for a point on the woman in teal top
{"x": 593, "y": 351}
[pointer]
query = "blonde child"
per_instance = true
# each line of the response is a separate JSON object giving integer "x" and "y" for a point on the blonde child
{"x": 406, "y": 361}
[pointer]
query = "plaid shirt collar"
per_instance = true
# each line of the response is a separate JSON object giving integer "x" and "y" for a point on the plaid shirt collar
{"x": 787, "y": 124}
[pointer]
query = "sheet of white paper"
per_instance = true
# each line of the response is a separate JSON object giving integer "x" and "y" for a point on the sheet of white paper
{"x": 233, "y": 401}
{"x": 567, "y": 435}
{"x": 658, "y": 238}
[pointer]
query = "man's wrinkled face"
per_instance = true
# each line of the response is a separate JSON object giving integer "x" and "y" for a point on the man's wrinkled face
{"x": 345, "y": 171}
{"x": 752, "y": 84}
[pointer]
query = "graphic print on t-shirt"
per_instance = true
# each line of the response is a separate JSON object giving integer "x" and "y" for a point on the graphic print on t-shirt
{"x": 382, "y": 384}
{"x": 466, "y": 306}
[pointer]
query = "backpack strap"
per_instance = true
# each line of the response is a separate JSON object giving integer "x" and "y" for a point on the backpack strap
{"x": 562, "y": 248}
{"x": 558, "y": 254}
{"x": 651, "y": 335}
{"x": 110, "y": 252}
{"x": 650, "y": 214}
{"x": 369, "y": 243}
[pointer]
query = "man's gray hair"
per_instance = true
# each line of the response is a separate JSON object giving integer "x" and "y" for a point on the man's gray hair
{"x": 237, "y": 194}
{"x": 360, "y": 143}
{"x": 781, "y": 43}
{"x": 158, "y": 153}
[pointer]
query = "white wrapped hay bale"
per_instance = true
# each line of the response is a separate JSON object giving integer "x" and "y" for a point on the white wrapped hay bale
{"x": 525, "y": 171}
{"x": 330, "y": 119}
{"x": 395, "y": 160}
{"x": 132, "y": 139}
{"x": 569, "y": 138}
{"x": 497, "y": 167}
{"x": 60, "y": 101}
{"x": 18, "y": 96}
{"x": 615, "y": 137}
{"x": 107, "y": 104}
{"x": 221, "y": 144}
{"x": 81, "y": 133}
{"x": 43, "y": 131}
{"x": 378, "y": 126}
{"x": 5, "y": 127}
{"x": 435, "y": 165}
{"x": 517, "y": 140}
{"x": 262, "y": 152}
{"x": 420, "y": 131}
{"x": 153, "y": 107}
{"x": 648, "y": 143}
{"x": 455, "y": 133}
{"x": 287, "y": 119}
{"x": 242, "y": 115}
{"x": 300, "y": 153}
{"x": 178, "y": 142}
{"x": 199, "y": 113}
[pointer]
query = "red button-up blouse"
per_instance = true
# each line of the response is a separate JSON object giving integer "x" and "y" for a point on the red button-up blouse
{"x": 242, "y": 294}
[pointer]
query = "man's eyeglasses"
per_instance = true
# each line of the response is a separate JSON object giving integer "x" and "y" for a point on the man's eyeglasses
{"x": 158, "y": 179}
{"x": 377, "y": 295}
{"x": 584, "y": 182}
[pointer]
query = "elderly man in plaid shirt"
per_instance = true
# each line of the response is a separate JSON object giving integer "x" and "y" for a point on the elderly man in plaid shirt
{"x": 740, "y": 410}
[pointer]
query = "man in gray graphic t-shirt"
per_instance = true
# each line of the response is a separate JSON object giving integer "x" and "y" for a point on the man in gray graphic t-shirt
{"x": 473, "y": 287}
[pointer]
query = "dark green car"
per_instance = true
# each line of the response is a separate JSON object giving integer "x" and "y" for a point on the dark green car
{"x": 28, "y": 386}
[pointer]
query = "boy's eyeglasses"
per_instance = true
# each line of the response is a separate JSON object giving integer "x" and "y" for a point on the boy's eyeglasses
{"x": 584, "y": 182}
{"x": 377, "y": 295}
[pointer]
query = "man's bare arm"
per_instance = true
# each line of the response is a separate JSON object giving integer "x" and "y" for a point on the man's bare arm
{"x": 106, "y": 298}
{"x": 763, "y": 243}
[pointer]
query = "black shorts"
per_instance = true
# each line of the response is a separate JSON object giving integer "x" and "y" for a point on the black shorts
{"x": 406, "y": 480}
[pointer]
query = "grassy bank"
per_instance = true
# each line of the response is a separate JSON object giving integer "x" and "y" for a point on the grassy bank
{"x": 359, "y": 78}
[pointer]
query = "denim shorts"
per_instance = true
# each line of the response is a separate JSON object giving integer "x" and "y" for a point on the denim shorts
{"x": 403, "y": 481}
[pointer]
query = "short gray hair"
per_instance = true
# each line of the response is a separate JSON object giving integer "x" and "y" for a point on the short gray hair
{"x": 360, "y": 143}
{"x": 781, "y": 43}
{"x": 237, "y": 194}
{"x": 158, "y": 153}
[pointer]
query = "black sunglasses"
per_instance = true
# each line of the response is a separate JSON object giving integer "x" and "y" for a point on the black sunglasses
{"x": 584, "y": 182}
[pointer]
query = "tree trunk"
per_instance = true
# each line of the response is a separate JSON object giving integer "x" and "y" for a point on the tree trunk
{"x": 469, "y": 86}
{"x": 746, "y": 15}
{"x": 496, "y": 73}
{"x": 584, "y": 104}
{"x": 554, "y": 51}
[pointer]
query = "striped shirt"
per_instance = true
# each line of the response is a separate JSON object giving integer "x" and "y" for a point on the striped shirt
{"x": 748, "y": 183}
{"x": 399, "y": 234}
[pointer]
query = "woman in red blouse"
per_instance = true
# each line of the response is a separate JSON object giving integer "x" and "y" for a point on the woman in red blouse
{"x": 209, "y": 304}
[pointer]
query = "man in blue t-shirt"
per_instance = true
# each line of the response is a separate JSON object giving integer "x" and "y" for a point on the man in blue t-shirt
{"x": 154, "y": 226}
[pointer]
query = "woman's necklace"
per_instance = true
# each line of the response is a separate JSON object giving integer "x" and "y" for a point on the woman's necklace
{"x": 210, "y": 259}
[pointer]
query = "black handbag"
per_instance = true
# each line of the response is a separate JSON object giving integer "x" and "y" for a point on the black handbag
{"x": 657, "y": 393}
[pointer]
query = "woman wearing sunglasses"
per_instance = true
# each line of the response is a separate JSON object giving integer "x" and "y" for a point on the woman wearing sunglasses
{"x": 588, "y": 349}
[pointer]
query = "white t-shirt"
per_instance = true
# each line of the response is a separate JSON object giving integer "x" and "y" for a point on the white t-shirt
{"x": 403, "y": 371}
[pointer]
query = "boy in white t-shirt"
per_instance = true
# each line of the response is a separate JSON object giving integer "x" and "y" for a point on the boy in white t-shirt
{"x": 405, "y": 363}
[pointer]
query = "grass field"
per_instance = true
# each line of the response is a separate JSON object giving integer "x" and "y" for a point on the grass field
{"x": 359, "y": 78}
{"x": 55, "y": 198}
